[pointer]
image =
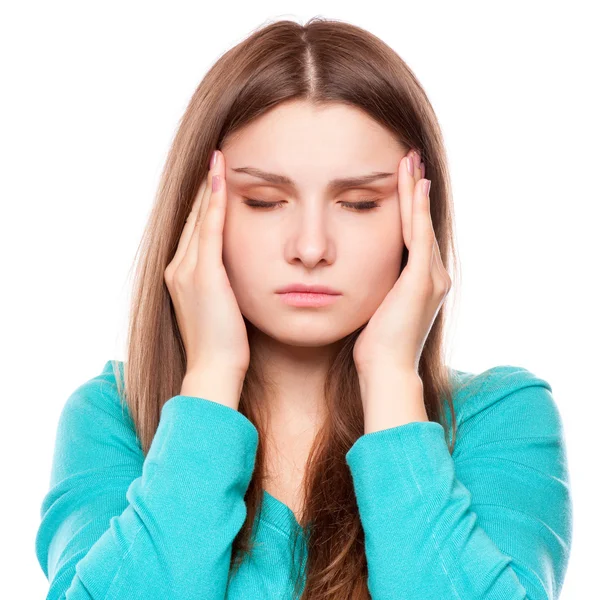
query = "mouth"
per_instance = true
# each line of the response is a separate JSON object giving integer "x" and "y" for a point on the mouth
{"x": 304, "y": 288}
{"x": 308, "y": 299}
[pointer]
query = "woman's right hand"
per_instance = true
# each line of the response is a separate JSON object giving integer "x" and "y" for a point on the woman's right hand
{"x": 207, "y": 312}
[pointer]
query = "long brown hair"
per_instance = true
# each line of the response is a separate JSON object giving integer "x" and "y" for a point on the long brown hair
{"x": 324, "y": 61}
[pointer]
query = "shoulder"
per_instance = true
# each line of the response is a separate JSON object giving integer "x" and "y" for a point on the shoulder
{"x": 477, "y": 393}
{"x": 505, "y": 398}
{"x": 101, "y": 394}
{"x": 94, "y": 422}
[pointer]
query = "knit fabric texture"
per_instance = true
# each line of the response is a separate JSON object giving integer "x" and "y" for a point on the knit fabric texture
{"x": 491, "y": 521}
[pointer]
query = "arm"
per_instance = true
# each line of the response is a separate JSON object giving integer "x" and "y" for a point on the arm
{"x": 117, "y": 526}
{"x": 492, "y": 520}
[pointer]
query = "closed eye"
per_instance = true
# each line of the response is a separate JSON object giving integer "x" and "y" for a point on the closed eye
{"x": 358, "y": 206}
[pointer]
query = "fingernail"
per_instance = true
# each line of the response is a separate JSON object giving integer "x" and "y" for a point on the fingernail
{"x": 426, "y": 187}
{"x": 409, "y": 165}
{"x": 213, "y": 160}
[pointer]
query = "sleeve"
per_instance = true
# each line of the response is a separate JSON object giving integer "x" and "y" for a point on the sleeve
{"x": 491, "y": 521}
{"x": 115, "y": 526}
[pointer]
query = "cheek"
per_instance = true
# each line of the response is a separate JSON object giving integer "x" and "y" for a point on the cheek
{"x": 377, "y": 251}
{"x": 375, "y": 269}
{"x": 245, "y": 258}
{"x": 378, "y": 268}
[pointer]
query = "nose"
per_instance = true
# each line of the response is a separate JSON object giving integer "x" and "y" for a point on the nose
{"x": 311, "y": 240}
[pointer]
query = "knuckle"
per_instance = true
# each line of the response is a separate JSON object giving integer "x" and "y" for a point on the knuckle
{"x": 168, "y": 273}
{"x": 180, "y": 275}
{"x": 427, "y": 286}
{"x": 445, "y": 285}
{"x": 440, "y": 290}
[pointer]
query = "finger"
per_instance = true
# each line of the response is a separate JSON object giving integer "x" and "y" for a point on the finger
{"x": 188, "y": 228}
{"x": 436, "y": 262}
{"x": 423, "y": 236}
{"x": 210, "y": 234}
{"x": 189, "y": 258}
{"x": 438, "y": 270}
{"x": 406, "y": 184}
{"x": 441, "y": 274}
{"x": 208, "y": 192}
{"x": 418, "y": 167}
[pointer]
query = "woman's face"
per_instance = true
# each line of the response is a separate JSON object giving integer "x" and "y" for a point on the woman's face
{"x": 311, "y": 237}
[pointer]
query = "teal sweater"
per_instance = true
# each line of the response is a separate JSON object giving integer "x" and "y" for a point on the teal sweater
{"x": 491, "y": 521}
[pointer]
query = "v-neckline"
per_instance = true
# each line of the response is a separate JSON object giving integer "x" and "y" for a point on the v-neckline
{"x": 275, "y": 512}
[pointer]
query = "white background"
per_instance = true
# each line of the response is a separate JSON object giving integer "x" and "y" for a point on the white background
{"x": 91, "y": 96}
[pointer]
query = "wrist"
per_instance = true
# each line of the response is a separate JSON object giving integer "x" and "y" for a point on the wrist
{"x": 222, "y": 386}
{"x": 391, "y": 398}
{"x": 385, "y": 376}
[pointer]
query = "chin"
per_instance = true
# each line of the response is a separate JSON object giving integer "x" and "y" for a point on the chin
{"x": 305, "y": 330}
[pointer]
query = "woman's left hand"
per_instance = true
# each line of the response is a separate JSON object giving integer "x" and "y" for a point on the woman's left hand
{"x": 396, "y": 333}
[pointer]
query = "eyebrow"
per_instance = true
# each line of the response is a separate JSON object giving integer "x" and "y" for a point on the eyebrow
{"x": 335, "y": 185}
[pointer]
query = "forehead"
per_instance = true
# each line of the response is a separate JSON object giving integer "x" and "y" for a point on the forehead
{"x": 302, "y": 142}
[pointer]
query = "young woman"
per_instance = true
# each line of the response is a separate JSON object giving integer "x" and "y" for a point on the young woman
{"x": 256, "y": 411}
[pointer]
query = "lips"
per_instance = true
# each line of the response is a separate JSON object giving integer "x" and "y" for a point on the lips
{"x": 314, "y": 289}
